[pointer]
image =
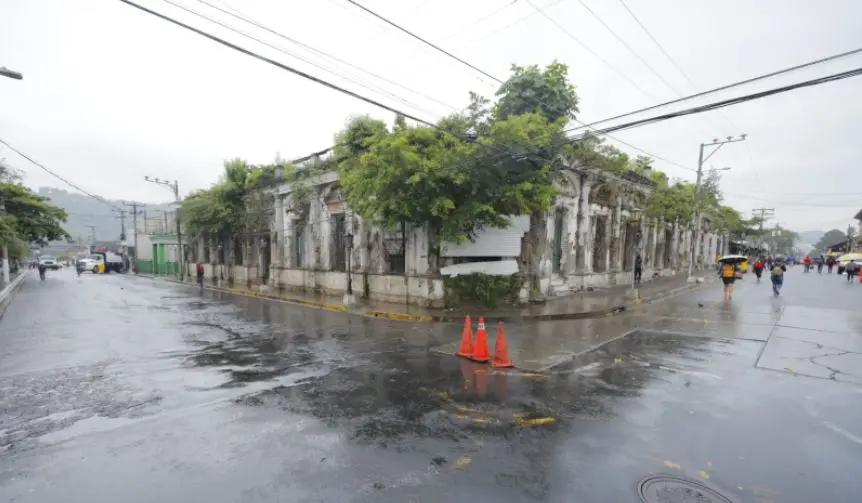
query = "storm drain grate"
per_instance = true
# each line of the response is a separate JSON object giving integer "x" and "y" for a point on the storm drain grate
{"x": 665, "y": 489}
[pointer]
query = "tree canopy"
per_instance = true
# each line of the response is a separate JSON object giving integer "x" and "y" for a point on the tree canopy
{"x": 28, "y": 217}
{"x": 831, "y": 238}
{"x": 471, "y": 171}
{"x": 234, "y": 206}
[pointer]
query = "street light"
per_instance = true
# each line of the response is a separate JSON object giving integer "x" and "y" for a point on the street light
{"x": 694, "y": 213}
{"x": 348, "y": 297}
{"x": 10, "y": 73}
{"x": 635, "y": 212}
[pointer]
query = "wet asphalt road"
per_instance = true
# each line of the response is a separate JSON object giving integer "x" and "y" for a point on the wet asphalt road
{"x": 128, "y": 389}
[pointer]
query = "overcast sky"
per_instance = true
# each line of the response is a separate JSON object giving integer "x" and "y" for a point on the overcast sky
{"x": 111, "y": 94}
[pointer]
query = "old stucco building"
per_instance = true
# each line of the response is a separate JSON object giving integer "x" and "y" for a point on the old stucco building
{"x": 589, "y": 239}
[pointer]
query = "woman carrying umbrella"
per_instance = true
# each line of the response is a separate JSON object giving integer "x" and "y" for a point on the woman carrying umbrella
{"x": 729, "y": 272}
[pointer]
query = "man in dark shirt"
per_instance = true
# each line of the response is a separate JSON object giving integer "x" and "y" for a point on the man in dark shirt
{"x": 639, "y": 265}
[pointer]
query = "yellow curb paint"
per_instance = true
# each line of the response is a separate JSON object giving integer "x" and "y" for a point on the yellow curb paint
{"x": 399, "y": 316}
{"x": 537, "y": 421}
{"x": 477, "y": 420}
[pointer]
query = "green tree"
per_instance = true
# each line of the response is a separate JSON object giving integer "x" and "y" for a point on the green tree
{"x": 534, "y": 90}
{"x": 831, "y": 238}
{"x": 29, "y": 217}
{"x": 236, "y": 206}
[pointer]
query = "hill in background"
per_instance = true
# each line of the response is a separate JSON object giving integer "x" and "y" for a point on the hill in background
{"x": 84, "y": 211}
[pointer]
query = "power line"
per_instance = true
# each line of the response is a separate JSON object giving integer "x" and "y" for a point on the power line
{"x": 239, "y": 15}
{"x": 656, "y": 42}
{"x": 504, "y": 28}
{"x": 732, "y": 85}
{"x": 605, "y": 131}
{"x": 487, "y": 74}
{"x": 627, "y": 46}
{"x": 55, "y": 175}
{"x": 735, "y": 101}
{"x": 588, "y": 49}
{"x": 277, "y": 64}
{"x": 424, "y": 41}
{"x": 284, "y": 51}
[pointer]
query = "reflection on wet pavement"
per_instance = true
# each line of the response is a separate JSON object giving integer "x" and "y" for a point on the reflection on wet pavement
{"x": 173, "y": 396}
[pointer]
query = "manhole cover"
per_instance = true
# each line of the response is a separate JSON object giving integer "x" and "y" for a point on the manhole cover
{"x": 664, "y": 489}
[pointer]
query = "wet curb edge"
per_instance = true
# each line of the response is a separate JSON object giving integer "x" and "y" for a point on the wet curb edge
{"x": 606, "y": 311}
{"x": 6, "y": 293}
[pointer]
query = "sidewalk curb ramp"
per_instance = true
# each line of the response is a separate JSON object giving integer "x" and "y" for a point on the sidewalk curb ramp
{"x": 8, "y": 290}
{"x": 444, "y": 318}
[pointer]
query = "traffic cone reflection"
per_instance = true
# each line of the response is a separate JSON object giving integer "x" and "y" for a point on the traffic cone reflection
{"x": 466, "y": 339}
{"x": 481, "y": 353}
{"x": 501, "y": 350}
{"x": 467, "y": 374}
{"x": 481, "y": 375}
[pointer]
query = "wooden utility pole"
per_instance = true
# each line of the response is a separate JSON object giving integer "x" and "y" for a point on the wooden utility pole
{"x": 764, "y": 214}
{"x": 122, "y": 218}
{"x": 135, "y": 213}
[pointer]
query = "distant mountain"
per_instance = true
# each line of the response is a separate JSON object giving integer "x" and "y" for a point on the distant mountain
{"x": 85, "y": 211}
{"x": 811, "y": 237}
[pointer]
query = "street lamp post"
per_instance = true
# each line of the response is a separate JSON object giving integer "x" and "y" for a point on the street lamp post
{"x": 175, "y": 188}
{"x": 635, "y": 212}
{"x": 695, "y": 217}
{"x": 349, "y": 299}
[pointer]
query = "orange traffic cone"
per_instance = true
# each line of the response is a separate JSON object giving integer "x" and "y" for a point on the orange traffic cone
{"x": 501, "y": 350}
{"x": 480, "y": 350}
{"x": 466, "y": 339}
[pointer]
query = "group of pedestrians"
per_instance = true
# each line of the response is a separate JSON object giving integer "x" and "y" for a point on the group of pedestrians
{"x": 777, "y": 267}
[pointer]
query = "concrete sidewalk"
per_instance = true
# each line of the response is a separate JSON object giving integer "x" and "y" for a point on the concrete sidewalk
{"x": 7, "y": 290}
{"x": 592, "y": 304}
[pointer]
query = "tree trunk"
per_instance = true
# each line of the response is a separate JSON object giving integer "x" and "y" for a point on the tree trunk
{"x": 534, "y": 250}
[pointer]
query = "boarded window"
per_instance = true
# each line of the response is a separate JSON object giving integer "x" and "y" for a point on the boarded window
{"x": 298, "y": 242}
{"x": 394, "y": 246}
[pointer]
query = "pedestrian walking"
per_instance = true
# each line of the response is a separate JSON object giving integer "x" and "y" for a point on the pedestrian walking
{"x": 199, "y": 269}
{"x": 777, "y": 276}
{"x": 727, "y": 272}
{"x": 639, "y": 268}
{"x": 759, "y": 266}
{"x": 850, "y": 269}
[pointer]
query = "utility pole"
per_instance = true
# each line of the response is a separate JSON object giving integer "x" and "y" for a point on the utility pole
{"x": 764, "y": 214}
{"x": 92, "y": 234}
{"x": 122, "y": 218}
{"x": 849, "y": 238}
{"x": 135, "y": 213}
{"x": 175, "y": 188}
{"x": 695, "y": 214}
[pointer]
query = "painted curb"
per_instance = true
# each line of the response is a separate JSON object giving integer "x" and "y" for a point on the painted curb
{"x": 8, "y": 290}
{"x": 442, "y": 318}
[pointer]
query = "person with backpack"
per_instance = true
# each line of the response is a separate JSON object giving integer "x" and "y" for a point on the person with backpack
{"x": 777, "y": 276}
{"x": 850, "y": 269}
{"x": 727, "y": 272}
